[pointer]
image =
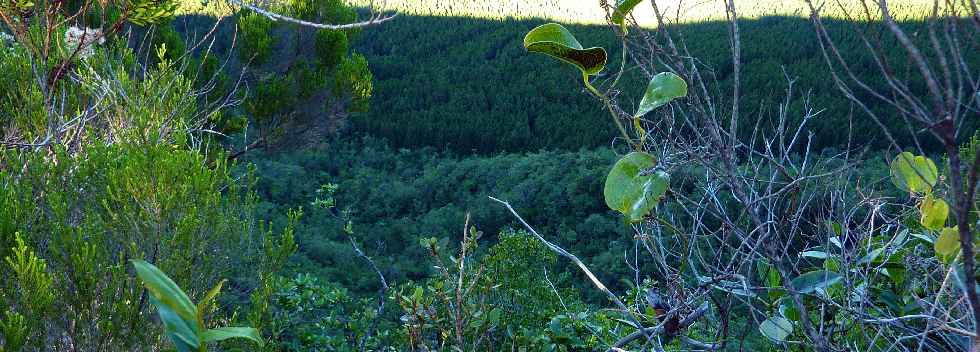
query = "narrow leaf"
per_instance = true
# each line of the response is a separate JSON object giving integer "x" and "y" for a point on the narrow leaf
{"x": 166, "y": 291}
{"x": 218, "y": 334}
{"x": 814, "y": 280}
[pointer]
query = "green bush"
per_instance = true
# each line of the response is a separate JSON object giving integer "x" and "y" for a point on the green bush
{"x": 256, "y": 37}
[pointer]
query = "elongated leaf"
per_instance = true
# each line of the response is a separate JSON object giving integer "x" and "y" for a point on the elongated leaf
{"x": 203, "y": 305}
{"x": 230, "y": 332}
{"x": 623, "y": 8}
{"x": 166, "y": 291}
{"x": 934, "y": 212}
{"x": 913, "y": 173}
{"x": 182, "y": 333}
{"x": 633, "y": 188}
{"x": 776, "y": 328}
{"x": 814, "y": 280}
{"x": 947, "y": 246}
{"x": 663, "y": 88}
{"x": 554, "y": 40}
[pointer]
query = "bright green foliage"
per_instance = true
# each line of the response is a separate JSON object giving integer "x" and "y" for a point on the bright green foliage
{"x": 147, "y": 12}
{"x": 184, "y": 322}
{"x": 934, "y": 212}
{"x": 14, "y": 330}
{"x": 353, "y": 80}
{"x": 633, "y": 186}
{"x": 947, "y": 245}
{"x": 662, "y": 89}
{"x": 913, "y": 173}
{"x": 554, "y": 40}
{"x": 33, "y": 293}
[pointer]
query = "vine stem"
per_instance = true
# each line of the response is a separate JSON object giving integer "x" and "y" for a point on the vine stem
{"x": 612, "y": 112}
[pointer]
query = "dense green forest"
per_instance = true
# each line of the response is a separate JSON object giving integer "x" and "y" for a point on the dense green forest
{"x": 419, "y": 175}
{"x": 470, "y": 91}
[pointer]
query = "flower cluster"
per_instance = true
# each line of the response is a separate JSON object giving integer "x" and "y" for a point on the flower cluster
{"x": 83, "y": 40}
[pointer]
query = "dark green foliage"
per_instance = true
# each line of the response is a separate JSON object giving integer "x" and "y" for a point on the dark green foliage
{"x": 467, "y": 85}
{"x": 256, "y": 41}
{"x": 331, "y": 47}
{"x": 398, "y": 196}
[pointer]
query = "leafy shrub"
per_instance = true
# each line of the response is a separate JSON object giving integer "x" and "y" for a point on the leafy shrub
{"x": 353, "y": 80}
{"x": 256, "y": 39}
{"x": 331, "y": 48}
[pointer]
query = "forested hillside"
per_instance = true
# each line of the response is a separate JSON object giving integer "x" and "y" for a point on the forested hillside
{"x": 463, "y": 83}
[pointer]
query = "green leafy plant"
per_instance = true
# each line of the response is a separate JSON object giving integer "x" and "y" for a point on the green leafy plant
{"x": 913, "y": 173}
{"x": 184, "y": 321}
{"x": 634, "y": 186}
{"x": 555, "y": 40}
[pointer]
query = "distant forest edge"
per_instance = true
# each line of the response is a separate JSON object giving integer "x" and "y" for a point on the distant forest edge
{"x": 462, "y": 83}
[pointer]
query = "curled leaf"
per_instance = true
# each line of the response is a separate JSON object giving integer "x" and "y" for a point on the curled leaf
{"x": 623, "y": 8}
{"x": 554, "y": 40}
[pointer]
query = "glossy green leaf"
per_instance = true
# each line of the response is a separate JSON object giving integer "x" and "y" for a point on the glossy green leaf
{"x": 662, "y": 89}
{"x": 934, "y": 212}
{"x": 814, "y": 280}
{"x": 776, "y": 328}
{"x": 947, "y": 246}
{"x": 182, "y": 333}
{"x": 165, "y": 290}
{"x": 554, "y": 40}
{"x": 623, "y": 8}
{"x": 633, "y": 187}
{"x": 913, "y": 173}
{"x": 230, "y": 332}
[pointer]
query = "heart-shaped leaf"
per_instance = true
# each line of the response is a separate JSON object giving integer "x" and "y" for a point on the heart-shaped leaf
{"x": 554, "y": 40}
{"x": 913, "y": 173}
{"x": 623, "y": 8}
{"x": 663, "y": 88}
{"x": 776, "y": 328}
{"x": 934, "y": 212}
{"x": 947, "y": 246}
{"x": 218, "y": 334}
{"x": 633, "y": 187}
{"x": 814, "y": 280}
